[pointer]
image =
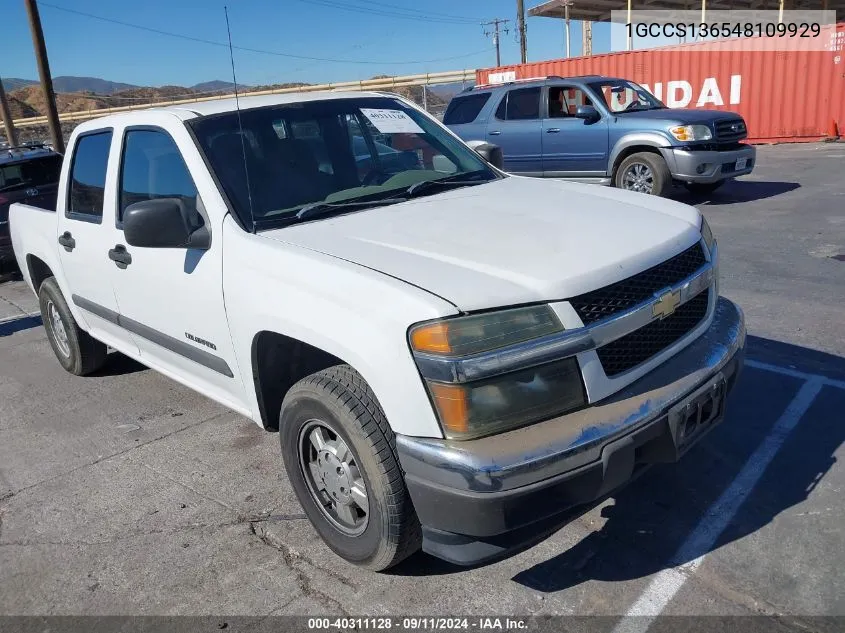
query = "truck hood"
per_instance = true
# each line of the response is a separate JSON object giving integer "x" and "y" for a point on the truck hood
{"x": 511, "y": 241}
{"x": 679, "y": 115}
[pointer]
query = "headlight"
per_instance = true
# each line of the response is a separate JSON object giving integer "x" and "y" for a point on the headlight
{"x": 505, "y": 401}
{"x": 691, "y": 132}
{"x": 707, "y": 234}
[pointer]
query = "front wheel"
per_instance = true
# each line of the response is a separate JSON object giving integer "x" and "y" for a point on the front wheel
{"x": 703, "y": 187}
{"x": 340, "y": 455}
{"x": 644, "y": 172}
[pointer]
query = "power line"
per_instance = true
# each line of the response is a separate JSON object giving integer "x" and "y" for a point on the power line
{"x": 380, "y": 62}
{"x": 391, "y": 14}
{"x": 429, "y": 13}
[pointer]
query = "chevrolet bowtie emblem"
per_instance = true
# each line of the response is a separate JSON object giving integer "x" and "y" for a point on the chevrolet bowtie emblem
{"x": 666, "y": 305}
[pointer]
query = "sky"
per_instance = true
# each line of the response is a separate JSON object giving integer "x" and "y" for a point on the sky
{"x": 361, "y": 38}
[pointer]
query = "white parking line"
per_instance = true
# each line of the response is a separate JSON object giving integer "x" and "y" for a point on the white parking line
{"x": 689, "y": 556}
{"x": 794, "y": 373}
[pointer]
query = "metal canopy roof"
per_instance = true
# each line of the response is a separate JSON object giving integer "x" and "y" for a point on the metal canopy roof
{"x": 599, "y": 10}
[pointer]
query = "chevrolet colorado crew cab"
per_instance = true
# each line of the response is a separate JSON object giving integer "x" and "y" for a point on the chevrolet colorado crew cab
{"x": 453, "y": 357}
{"x": 603, "y": 130}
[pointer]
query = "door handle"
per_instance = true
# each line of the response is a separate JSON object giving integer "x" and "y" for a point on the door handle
{"x": 553, "y": 130}
{"x": 494, "y": 133}
{"x": 120, "y": 256}
{"x": 66, "y": 240}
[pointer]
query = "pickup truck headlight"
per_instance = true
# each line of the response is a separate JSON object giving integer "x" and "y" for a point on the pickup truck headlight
{"x": 504, "y": 401}
{"x": 691, "y": 132}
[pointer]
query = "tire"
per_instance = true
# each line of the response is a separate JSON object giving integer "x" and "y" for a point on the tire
{"x": 77, "y": 352}
{"x": 703, "y": 187}
{"x": 337, "y": 404}
{"x": 644, "y": 172}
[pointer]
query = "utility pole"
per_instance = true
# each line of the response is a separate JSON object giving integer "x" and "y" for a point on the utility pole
{"x": 44, "y": 73}
{"x": 520, "y": 21}
{"x": 11, "y": 137}
{"x": 586, "y": 38}
{"x": 566, "y": 5}
{"x": 495, "y": 32}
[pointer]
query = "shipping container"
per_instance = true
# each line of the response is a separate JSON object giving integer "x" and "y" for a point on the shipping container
{"x": 784, "y": 95}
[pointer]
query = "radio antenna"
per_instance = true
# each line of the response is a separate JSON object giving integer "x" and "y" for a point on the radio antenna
{"x": 240, "y": 124}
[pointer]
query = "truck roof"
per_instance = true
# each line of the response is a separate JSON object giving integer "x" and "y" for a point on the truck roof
{"x": 219, "y": 106}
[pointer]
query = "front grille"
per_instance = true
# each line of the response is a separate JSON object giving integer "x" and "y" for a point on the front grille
{"x": 627, "y": 293}
{"x": 637, "y": 347}
{"x": 731, "y": 130}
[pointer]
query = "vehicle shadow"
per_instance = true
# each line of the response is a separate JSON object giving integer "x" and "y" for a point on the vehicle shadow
{"x": 118, "y": 364}
{"x": 735, "y": 191}
{"x": 654, "y": 515}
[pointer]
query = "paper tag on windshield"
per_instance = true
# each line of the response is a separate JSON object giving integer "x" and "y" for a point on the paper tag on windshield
{"x": 391, "y": 121}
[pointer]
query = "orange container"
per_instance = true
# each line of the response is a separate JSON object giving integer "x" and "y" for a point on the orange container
{"x": 796, "y": 95}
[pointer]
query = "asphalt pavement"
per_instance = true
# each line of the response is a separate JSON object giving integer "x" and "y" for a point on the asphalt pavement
{"x": 126, "y": 493}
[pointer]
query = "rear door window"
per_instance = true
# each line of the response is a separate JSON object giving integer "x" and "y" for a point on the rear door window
{"x": 465, "y": 109}
{"x": 88, "y": 176}
{"x": 520, "y": 104}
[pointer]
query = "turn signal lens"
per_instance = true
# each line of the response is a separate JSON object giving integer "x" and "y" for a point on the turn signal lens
{"x": 432, "y": 338}
{"x": 452, "y": 402}
{"x": 484, "y": 332}
{"x": 691, "y": 132}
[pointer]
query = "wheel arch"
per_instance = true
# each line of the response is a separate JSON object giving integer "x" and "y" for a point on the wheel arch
{"x": 629, "y": 144}
{"x": 278, "y": 362}
{"x": 38, "y": 271}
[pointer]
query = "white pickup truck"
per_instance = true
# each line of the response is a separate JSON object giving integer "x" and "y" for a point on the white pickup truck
{"x": 454, "y": 358}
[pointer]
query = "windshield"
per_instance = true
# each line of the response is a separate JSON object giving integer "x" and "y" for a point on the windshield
{"x": 34, "y": 172}
{"x": 334, "y": 151}
{"x": 625, "y": 96}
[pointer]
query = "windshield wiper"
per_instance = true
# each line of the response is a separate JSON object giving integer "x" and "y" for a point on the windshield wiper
{"x": 316, "y": 209}
{"x": 419, "y": 187}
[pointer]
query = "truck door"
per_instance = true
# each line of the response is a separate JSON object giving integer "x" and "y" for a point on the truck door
{"x": 572, "y": 147}
{"x": 172, "y": 298}
{"x": 517, "y": 129}
{"x": 86, "y": 234}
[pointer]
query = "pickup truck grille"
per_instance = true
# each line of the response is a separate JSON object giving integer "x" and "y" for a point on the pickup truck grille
{"x": 730, "y": 130}
{"x": 627, "y": 293}
{"x": 639, "y": 346}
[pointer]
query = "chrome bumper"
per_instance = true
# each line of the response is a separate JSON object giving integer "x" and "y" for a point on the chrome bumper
{"x": 547, "y": 449}
{"x": 704, "y": 167}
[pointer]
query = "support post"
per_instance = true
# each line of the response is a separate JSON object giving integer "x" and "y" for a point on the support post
{"x": 11, "y": 136}
{"x": 44, "y": 73}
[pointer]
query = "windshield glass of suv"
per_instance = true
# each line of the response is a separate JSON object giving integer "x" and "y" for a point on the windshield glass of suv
{"x": 33, "y": 172}
{"x": 625, "y": 96}
{"x": 349, "y": 151}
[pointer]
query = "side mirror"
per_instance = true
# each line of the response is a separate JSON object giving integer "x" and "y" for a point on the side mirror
{"x": 163, "y": 223}
{"x": 588, "y": 113}
{"x": 491, "y": 153}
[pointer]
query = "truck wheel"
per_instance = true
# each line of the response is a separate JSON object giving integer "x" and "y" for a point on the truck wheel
{"x": 340, "y": 456}
{"x": 644, "y": 172}
{"x": 703, "y": 187}
{"x": 77, "y": 352}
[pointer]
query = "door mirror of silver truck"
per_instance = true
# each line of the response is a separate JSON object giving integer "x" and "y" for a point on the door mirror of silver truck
{"x": 165, "y": 223}
{"x": 491, "y": 153}
{"x": 588, "y": 113}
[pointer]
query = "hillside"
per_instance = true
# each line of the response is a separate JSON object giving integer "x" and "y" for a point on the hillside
{"x": 13, "y": 83}
{"x": 29, "y": 101}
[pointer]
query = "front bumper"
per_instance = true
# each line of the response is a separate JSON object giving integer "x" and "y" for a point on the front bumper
{"x": 708, "y": 166}
{"x": 479, "y": 499}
